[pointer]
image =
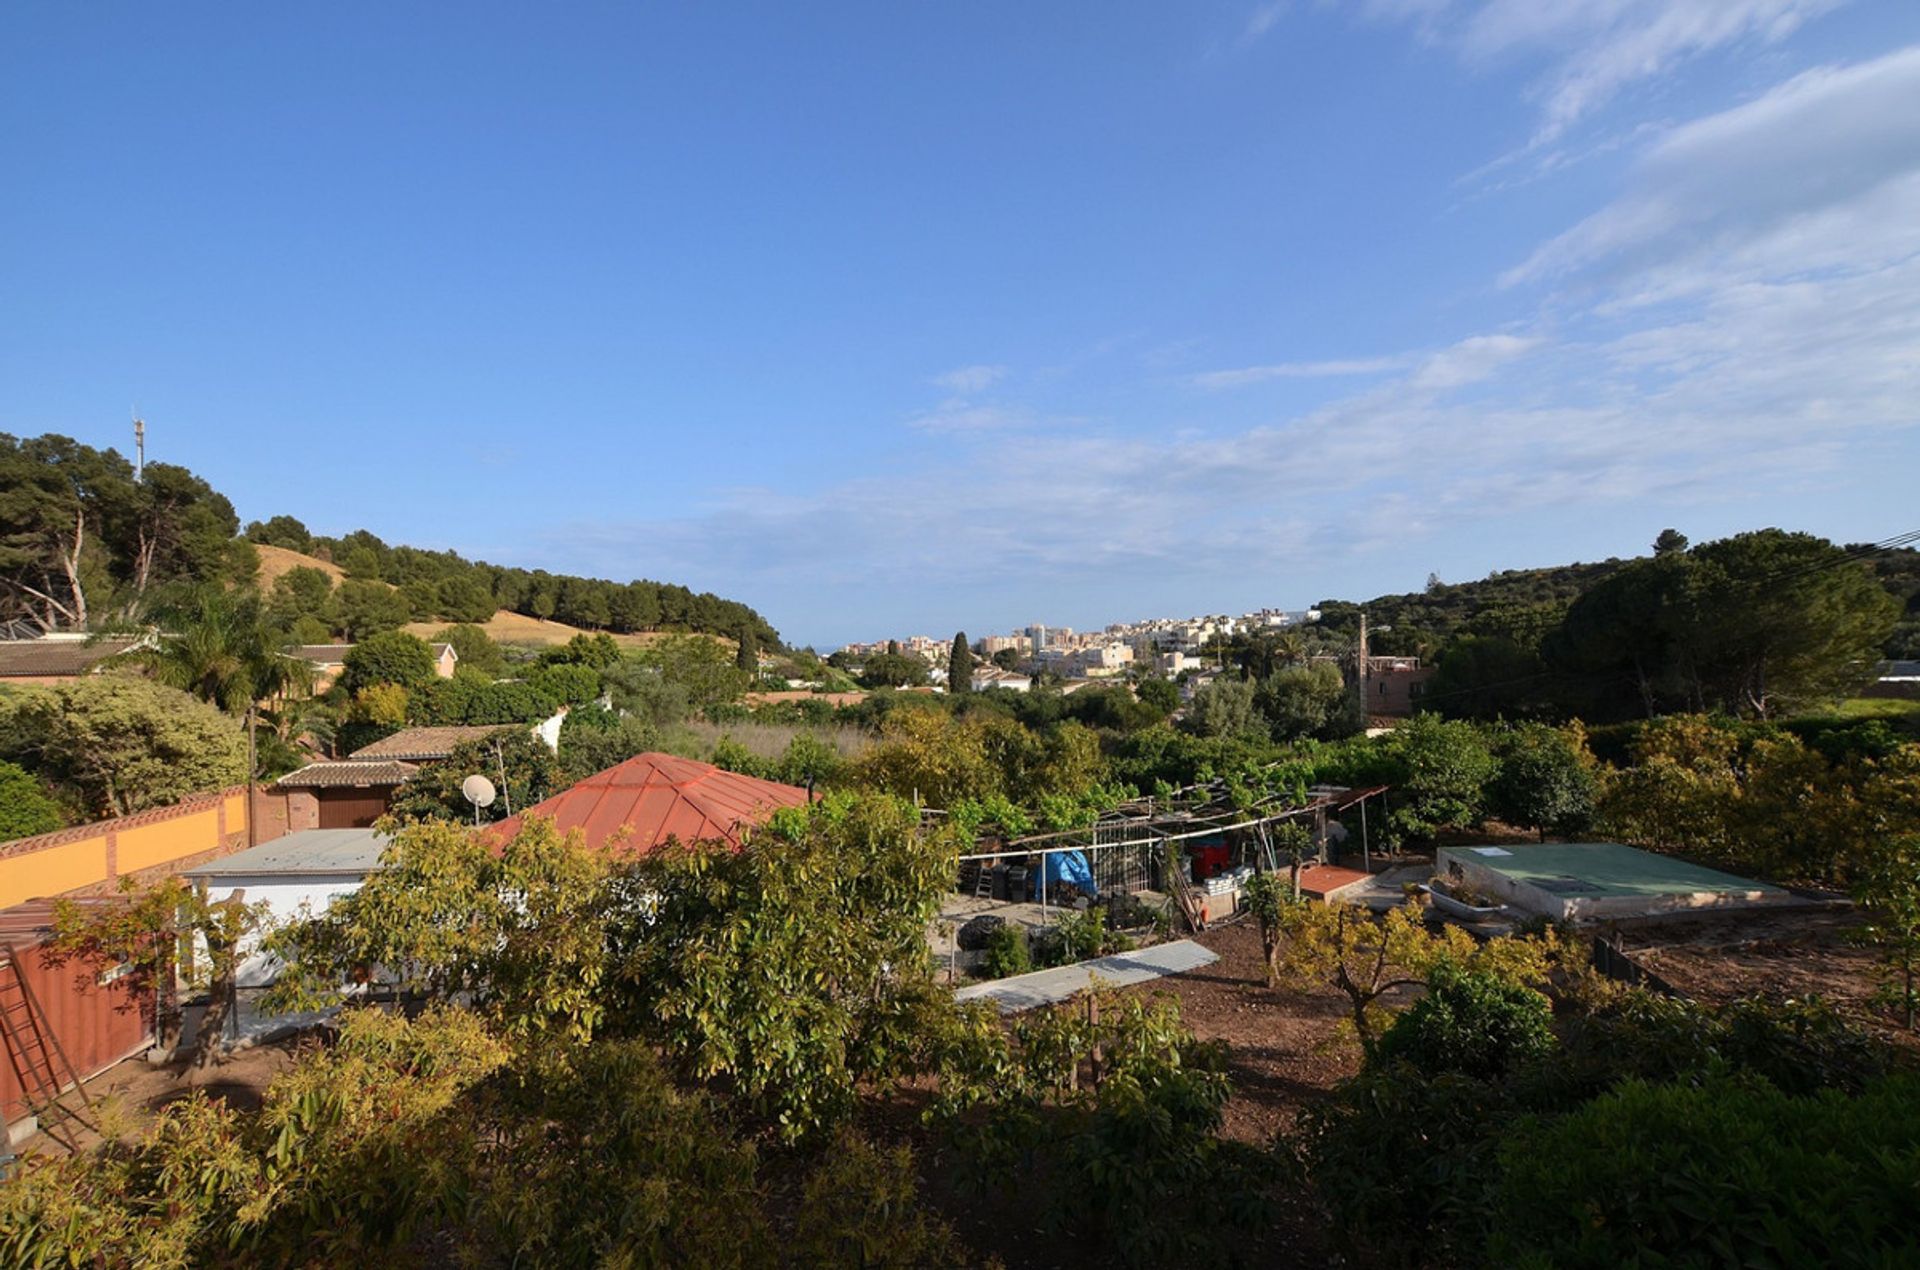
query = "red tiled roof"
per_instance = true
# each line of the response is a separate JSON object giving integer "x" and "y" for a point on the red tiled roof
{"x": 641, "y": 803}
{"x": 1324, "y": 880}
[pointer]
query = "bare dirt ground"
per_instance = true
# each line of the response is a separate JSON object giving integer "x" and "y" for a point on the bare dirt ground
{"x": 128, "y": 1095}
{"x": 1789, "y": 953}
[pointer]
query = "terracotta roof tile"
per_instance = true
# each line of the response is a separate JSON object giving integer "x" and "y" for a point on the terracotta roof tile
{"x": 651, "y": 798}
{"x": 426, "y": 744}
{"x": 347, "y": 773}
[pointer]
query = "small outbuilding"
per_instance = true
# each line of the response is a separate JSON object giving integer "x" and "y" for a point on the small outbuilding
{"x": 1598, "y": 881}
{"x": 306, "y": 870}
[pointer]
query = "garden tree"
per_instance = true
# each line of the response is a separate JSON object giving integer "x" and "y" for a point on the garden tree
{"x": 422, "y": 600}
{"x": 567, "y": 684}
{"x": 143, "y": 936}
{"x": 591, "y": 741}
{"x": 746, "y": 655}
{"x": 25, "y": 809}
{"x": 1444, "y": 770}
{"x": 281, "y": 531}
{"x": 597, "y": 651}
{"x": 387, "y": 705}
{"x": 795, "y": 968}
{"x": 1628, "y": 644}
{"x": 1889, "y": 888}
{"x": 893, "y": 648}
{"x": 1007, "y": 659}
{"x": 1301, "y": 701}
{"x": 362, "y": 563}
{"x": 461, "y": 598}
{"x": 296, "y": 731}
{"x": 472, "y": 698}
{"x": 390, "y": 657}
{"x": 364, "y": 609}
{"x": 1673, "y": 794}
{"x": 1225, "y": 708}
{"x": 523, "y": 770}
{"x": 518, "y": 929}
{"x": 220, "y": 647}
{"x": 930, "y": 756}
{"x": 356, "y": 1153}
{"x": 1788, "y": 619}
{"x": 178, "y": 528}
{"x": 673, "y": 677}
{"x": 1547, "y": 779}
{"x": 893, "y": 670}
{"x": 1719, "y": 1172}
{"x": 960, "y": 665}
{"x": 1366, "y": 957}
{"x": 1105, "y": 1111}
{"x": 1489, "y": 677}
{"x": 474, "y": 647}
{"x": 1159, "y": 695}
{"x": 300, "y": 592}
{"x": 1670, "y": 542}
{"x": 122, "y": 744}
{"x": 1472, "y": 1022}
{"x": 58, "y": 502}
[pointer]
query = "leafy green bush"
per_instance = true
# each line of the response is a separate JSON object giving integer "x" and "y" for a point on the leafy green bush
{"x": 1474, "y": 1023}
{"x": 1007, "y": 952}
{"x": 861, "y": 1208}
{"x": 1403, "y": 1161}
{"x": 25, "y": 809}
{"x": 1724, "y": 1173}
{"x": 1109, "y": 1108}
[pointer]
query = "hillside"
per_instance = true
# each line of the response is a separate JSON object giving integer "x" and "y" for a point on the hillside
{"x": 517, "y": 628}
{"x": 276, "y": 562}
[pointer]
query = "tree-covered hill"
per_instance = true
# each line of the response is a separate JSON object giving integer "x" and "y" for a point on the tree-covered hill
{"x": 82, "y": 544}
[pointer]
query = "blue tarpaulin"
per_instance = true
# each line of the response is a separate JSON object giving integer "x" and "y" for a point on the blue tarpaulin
{"x": 1071, "y": 866}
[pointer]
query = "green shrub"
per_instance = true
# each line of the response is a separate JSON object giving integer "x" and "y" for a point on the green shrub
{"x": 1007, "y": 952}
{"x": 1726, "y": 1173}
{"x": 861, "y": 1208}
{"x": 1474, "y": 1023}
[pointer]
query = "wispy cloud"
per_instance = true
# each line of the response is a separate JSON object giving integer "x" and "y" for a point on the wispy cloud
{"x": 1245, "y": 375}
{"x": 970, "y": 379}
{"x": 1717, "y": 332}
{"x": 1262, "y": 20}
{"x": 1595, "y": 49}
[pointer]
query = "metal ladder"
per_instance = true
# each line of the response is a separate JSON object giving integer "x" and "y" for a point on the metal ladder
{"x": 38, "y": 1059}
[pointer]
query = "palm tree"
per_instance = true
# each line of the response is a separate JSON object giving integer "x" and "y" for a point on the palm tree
{"x": 219, "y": 647}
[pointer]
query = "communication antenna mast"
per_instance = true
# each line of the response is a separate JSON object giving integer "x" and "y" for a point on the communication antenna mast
{"x": 139, "y": 445}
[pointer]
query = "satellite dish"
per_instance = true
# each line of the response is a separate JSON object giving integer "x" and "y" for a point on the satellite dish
{"x": 479, "y": 790}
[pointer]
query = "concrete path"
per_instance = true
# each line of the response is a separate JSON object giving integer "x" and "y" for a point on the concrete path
{"x": 1047, "y": 987}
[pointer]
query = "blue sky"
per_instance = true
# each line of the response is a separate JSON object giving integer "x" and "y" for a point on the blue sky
{"x": 900, "y": 318}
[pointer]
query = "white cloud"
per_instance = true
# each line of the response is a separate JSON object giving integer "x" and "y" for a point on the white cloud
{"x": 970, "y": 379}
{"x": 1263, "y": 19}
{"x": 1743, "y": 322}
{"x": 1595, "y": 49}
{"x": 1241, "y": 377}
{"x": 1824, "y": 142}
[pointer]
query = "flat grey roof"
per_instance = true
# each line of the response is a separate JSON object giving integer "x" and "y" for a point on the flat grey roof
{"x": 355, "y": 851}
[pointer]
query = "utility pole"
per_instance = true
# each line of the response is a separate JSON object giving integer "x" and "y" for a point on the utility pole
{"x": 1360, "y": 669}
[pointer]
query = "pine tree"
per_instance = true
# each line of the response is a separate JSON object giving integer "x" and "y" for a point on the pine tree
{"x": 960, "y": 665}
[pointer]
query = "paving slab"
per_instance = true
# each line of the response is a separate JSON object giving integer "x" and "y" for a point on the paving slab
{"x": 1049, "y": 987}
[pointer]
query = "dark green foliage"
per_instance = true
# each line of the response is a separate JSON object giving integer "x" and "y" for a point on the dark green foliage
{"x": 1723, "y": 1173}
{"x": 461, "y": 598}
{"x": 1544, "y": 782}
{"x": 960, "y": 665}
{"x": 532, "y": 773}
{"x": 471, "y": 697}
{"x": 25, "y": 809}
{"x": 1158, "y": 695}
{"x": 1104, "y": 1113}
{"x": 1007, "y": 952}
{"x": 363, "y": 609}
{"x": 1444, "y": 768}
{"x": 301, "y": 592}
{"x": 1473, "y": 1023}
{"x": 281, "y": 531}
{"x": 1302, "y": 701}
{"x": 746, "y": 653}
{"x": 573, "y": 685}
{"x": 475, "y": 649}
{"x": 893, "y": 670}
{"x": 597, "y": 652}
{"x": 1404, "y": 1163}
{"x": 391, "y": 657}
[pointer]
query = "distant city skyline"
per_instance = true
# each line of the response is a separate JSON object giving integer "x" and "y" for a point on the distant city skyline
{"x": 917, "y": 317}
